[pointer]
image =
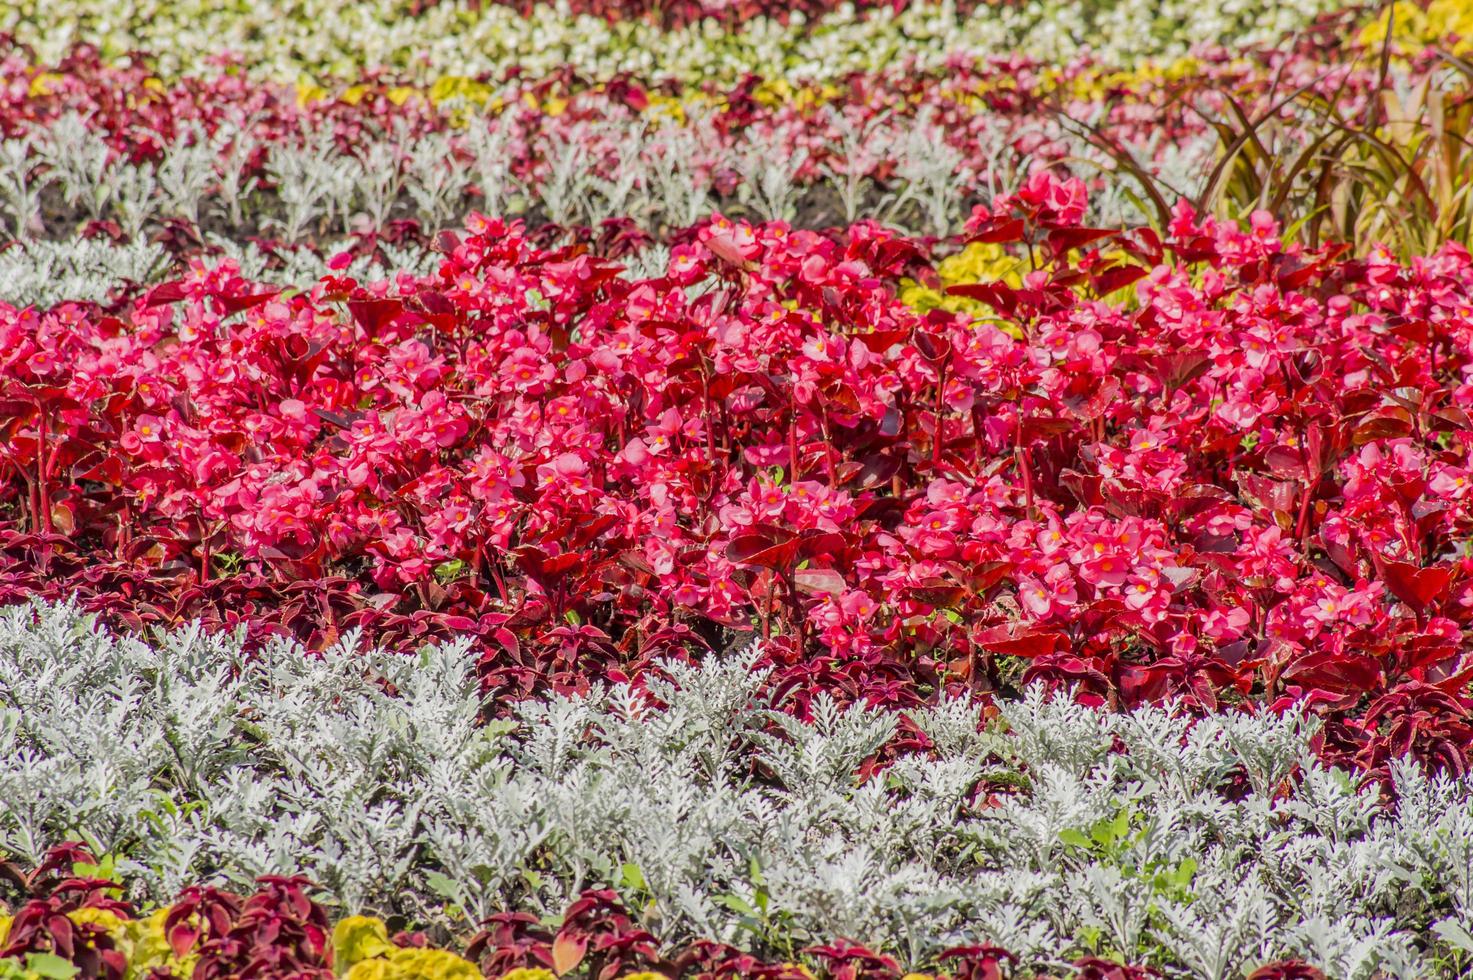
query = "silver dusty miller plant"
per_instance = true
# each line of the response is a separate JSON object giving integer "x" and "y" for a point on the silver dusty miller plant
{"x": 660, "y": 176}
{"x": 42, "y": 274}
{"x": 1090, "y": 832}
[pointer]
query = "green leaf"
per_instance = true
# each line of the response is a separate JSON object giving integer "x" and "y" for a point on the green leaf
{"x": 1455, "y": 934}
{"x": 51, "y": 966}
{"x": 1108, "y": 833}
{"x": 106, "y": 868}
{"x": 633, "y": 877}
{"x": 442, "y": 885}
{"x": 448, "y": 571}
{"x": 1075, "y": 838}
{"x": 736, "y": 903}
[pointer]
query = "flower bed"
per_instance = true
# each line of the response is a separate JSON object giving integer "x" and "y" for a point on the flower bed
{"x": 326, "y": 40}
{"x": 217, "y": 162}
{"x": 732, "y": 834}
{"x": 635, "y": 491}
{"x": 1215, "y": 467}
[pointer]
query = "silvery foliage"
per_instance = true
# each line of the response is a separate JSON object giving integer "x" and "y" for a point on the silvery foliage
{"x": 301, "y": 267}
{"x": 186, "y": 173}
{"x": 20, "y": 184}
{"x": 42, "y": 274}
{"x": 134, "y": 187}
{"x": 436, "y": 180}
{"x": 769, "y": 164}
{"x": 370, "y": 772}
{"x": 680, "y": 194}
{"x": 94, "y": 178}
{"x": 658, "y": 175}
{"x": 617, "y": 185}
{"x": 491, "y": 161}
{"x": 314, "y": 182}
{"x": 855, "y": 152}
{"x": 79, "y": 157}
{"x": 934, "y": 176}
{"x": 650, "y": 262}
{"x": 234, "y": 185}
{"x": 379, "y": 174}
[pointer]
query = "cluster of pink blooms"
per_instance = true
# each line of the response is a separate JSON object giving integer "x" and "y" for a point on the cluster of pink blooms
{"x": 1215, "y": 468}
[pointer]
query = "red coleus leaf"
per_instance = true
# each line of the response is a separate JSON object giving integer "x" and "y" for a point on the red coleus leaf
{"x": 998, "y": 295}
{"x": 1273, "y": 495}
{"x": 1389, "y": 422}
{"x": 772, "y": 549}
{"x": 1419, "y": 588}
{"x": 234, "y": 304}
{"x": 1022, "y": 641}
{"x": 933, "y": 347}
{"x": 1285, "y": 462}
{"x": 1061, "y": 240}
{"x": 880, "y": 341}
{"x": 63, "y": 934}
{"x": 938, "y": 593}
{"x": 1286, "y": 970}
{"x": 1450, "y": 419}
{"x": 1095, "y": 400}
{"x": 1116, "y": 277}
{"x": 567, "y": 952}
{"x": 1036, "y": 427}
{"x": 990, "y": 573}
{"x": 819, "y": 581}
{"x": 1178, "y": 368}
{"x": 999, "y": 230}
{"x": 168, "y": 292}
{"x": 182, "y": 938}
{"x": 822, "y": 544}
{"x": 374, "y": 314}
{"x": 1341, "y": 673}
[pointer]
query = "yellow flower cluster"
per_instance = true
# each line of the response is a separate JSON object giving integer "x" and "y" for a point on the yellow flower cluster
{"x": 362, "y": 951}
{"x": 1096, "y": 83}
{"x": 361, "y": 946}
{"x": 141, "y": 941}
{"x": 1445, "y": 23}
{"x": 978, "y": 262}
{"x": 1091, "y": 84}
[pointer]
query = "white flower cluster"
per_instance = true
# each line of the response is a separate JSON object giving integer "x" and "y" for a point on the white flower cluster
{"x": 288, "y": 39}
{"x": 373, "y": 773}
